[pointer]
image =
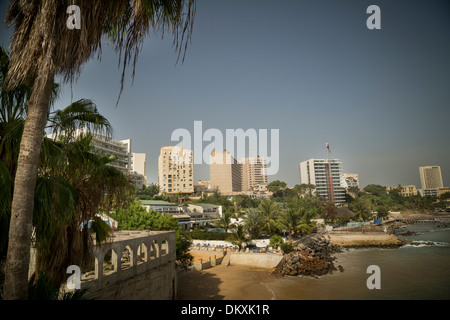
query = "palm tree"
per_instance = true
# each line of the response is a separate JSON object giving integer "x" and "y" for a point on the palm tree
{"x": 269, "y": 215}
{"x": 42, "y": 47}
{"x": 59, "y": 199}
{"x": 238, "y": 237}
{"x": 225, "y": 221}
{"x": 72, "y": 184}
{"x": 253, "y": 222}
{"x": 361, "y": 208}
{"x": 293, "y": 221}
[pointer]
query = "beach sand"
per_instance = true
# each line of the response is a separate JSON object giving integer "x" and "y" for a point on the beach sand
{"x": 224, "y": 283}
{"x": 248, "y": 283}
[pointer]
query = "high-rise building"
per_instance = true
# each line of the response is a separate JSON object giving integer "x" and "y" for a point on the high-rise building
{"x": 254, "y": 172}
{"x": 132, "y": 164}
{"x": 225, "y": 172}
{"x": 431, "y": 177}
{"x": 138, "y": 171}
{"x": 176, "y": 170}
{"x": 326, "y": 175}
{"x": 121, "y": 149}
{"x": 138, "y": 165}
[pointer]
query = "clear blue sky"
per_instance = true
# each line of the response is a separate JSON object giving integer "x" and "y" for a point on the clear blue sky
{"x": 312, "y": 69}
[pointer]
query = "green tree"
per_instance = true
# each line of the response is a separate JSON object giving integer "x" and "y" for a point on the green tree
{"x": 276, "y": 186}
{"x": 216, "y": 198}
{"x": 254, "y": 222}
{"x": 330, "y": 212}
{"x": 238, "y": 236}
{"x": 39, "y": 50}
{"x": 375, "y": 189}
{"x": 292, "y": 221}
{"x": 136, "y": 217}
{"x": 269, "y": 213}
{"x": 361, "y": 208}
{"x": 225, "y": 220}
{"x": 61, "y": 201}
{"x": 275, "y": 241}
{"x": 305, "y": 189}
{"x": 148, "y": 192}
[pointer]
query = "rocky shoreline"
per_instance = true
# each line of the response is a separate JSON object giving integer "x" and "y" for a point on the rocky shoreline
{"x": 311, "y": 256}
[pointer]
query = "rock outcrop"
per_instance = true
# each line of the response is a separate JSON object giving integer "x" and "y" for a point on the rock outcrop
{"x": 312, "y": 256}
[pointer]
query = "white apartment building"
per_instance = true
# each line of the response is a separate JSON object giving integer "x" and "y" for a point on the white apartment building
{"x": 121, "y": 149}
{"x": 132, "y": 164}
{"x": 176, "y": 170}
{"x": 318, "y": 172}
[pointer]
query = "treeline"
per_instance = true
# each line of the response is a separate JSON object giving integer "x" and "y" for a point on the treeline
{"x": 377, "y": 198}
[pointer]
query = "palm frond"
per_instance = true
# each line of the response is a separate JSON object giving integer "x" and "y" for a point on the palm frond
{"x": 81, "y": 114}
{"x": 41, "y": 32}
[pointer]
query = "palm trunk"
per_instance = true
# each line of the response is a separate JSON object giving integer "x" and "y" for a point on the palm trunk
{"x": 20, "y": 230}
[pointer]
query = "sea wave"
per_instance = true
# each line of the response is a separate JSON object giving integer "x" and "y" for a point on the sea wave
{"x": 421, "y": 244}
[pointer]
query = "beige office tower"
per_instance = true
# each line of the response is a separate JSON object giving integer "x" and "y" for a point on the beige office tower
{"x": 254, "y": 172}
{"x": 175, "y": 170}
{"x": 224, "y": 172}
{"x": 138, "y": 164}
{"x": 431, "y": 177}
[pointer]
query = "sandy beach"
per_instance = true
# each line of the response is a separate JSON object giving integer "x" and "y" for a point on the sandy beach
{"x": 224, "y": 282}
{"x": 237, "y": 282}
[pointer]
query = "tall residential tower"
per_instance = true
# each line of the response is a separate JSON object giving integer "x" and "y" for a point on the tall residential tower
{"x": 320, "y": 172}
{"x": 175, "y": 170}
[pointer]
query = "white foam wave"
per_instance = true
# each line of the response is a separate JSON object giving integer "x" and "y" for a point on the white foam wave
{"x": 421, "y": 244}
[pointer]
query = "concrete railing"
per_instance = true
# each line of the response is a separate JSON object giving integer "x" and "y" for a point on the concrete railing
{"x": 129, "y": 254}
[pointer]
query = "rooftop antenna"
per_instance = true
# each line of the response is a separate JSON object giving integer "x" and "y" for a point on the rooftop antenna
{"x": 329, "y": 177}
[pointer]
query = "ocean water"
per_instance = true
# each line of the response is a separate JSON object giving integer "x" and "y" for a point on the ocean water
{"x": 407, "y": 273}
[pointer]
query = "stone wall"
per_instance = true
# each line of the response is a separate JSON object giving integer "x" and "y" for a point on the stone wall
{"x": 258, "y": 260}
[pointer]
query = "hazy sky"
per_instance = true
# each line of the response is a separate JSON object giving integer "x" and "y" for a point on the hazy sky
{"x": 312, "y": 69}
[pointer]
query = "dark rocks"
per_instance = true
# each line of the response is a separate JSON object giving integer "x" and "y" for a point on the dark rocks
{"x": 407, "y": 234}
{"x": 312, "y": 256}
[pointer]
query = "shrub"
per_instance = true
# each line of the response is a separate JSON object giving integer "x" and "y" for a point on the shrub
{"x": 275, "y": 241}
{"x": 208, "y": 235}
{"x": 287, "y": 247}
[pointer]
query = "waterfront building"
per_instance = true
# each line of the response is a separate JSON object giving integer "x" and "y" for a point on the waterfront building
{"x": 434, "y": 192}
{"x": 326, "y": 175}
{"x": 405, "y": 191}
{"x": 176, "y": 170}
{"x": 431, "y": 177}
{"x": 225, "y": 172}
